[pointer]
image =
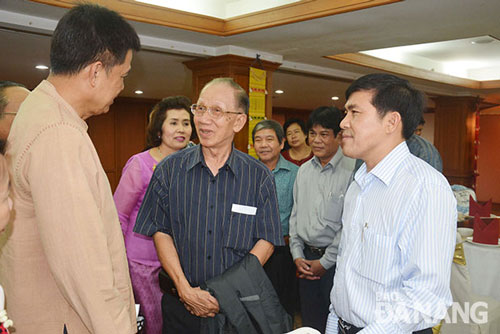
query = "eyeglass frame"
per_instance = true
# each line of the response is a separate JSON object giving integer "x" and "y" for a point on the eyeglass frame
{"x": 194, "y": 111}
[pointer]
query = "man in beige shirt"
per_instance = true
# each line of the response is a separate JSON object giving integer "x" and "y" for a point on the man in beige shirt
{"x": 62, "y": 260}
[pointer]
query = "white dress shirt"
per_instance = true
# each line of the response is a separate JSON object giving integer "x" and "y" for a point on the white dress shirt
{"x": 396, "y": 250}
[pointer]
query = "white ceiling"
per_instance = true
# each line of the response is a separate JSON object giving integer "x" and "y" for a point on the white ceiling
{"x": 308, "y": 79}
{"x": 475, "y": 58}
{"x": 222, "y": 9}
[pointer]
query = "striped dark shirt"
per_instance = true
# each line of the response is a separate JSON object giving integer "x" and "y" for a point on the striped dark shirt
{"x": 187, "y": 202}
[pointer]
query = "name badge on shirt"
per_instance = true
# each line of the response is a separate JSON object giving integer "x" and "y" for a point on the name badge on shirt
{"x": 244, "y": 209}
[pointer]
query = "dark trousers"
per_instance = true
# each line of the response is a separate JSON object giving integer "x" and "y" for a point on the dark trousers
{"x": 176, "y": 319}
{"x": 315, "y": 297}
{"x": 353, "y": 329}
{"x": 281, "y": 269}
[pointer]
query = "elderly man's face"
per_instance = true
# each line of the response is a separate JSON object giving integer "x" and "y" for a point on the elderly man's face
{"x": 218, "y": 132}
{"x": 15, "y": 96}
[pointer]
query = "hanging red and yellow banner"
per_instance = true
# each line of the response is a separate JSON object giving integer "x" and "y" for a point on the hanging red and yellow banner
{"x": 257, "y": 95}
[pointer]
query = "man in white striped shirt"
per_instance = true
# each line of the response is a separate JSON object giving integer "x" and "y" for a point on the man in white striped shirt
{"x": 399, "y": 221}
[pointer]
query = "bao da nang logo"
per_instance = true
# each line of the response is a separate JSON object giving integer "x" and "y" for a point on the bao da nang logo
{"x": 390, "y": 309}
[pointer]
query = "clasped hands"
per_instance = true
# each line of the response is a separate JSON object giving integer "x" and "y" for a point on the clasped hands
{"x": 199, "y": 302}
{"x": 309, "y": 269}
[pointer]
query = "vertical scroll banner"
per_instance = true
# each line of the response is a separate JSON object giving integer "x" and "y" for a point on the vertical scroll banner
{"x": 257, "y": 94}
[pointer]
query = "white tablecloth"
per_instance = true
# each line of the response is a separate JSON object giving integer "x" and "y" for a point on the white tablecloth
{"x": 483, "y": 263}
{"x": 476, "y": 281}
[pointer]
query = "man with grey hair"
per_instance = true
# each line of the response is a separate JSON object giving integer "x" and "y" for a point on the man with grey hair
{"x": 268, "y": 140}
{"x": 207, "y": 207}
{"x": 12, "y": 94}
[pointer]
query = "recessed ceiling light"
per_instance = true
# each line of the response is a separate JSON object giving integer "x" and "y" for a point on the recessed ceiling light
{"x": 279, "y": 91}
{"x": 41, "y": 67}
{"x": 139, "y": 92}
{"x": 335, "y": 98}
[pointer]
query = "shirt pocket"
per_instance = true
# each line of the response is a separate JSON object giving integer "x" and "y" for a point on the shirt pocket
{"x": 377, "y": 256}
{"x": 333, "y": 208}
{"x": 239, "y": 232}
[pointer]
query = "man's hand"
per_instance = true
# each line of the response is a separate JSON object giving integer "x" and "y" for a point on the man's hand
{"x": 304, "y": 269}
{"x": 317, "y": 269}
{"x": 199, "y": 302}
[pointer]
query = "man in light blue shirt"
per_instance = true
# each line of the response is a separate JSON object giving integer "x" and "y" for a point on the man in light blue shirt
{"x": 399, "y": 222}
{"x": 315, "y": 223}
{"x": 268, "y": 140}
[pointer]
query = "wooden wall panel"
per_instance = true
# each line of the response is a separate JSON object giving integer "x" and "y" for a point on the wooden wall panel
{"x": 283, "y": 114}
{"x": 130, "y": 134}
{"x": 488, "y": 181}
{"x": 119, "y": 134}
{"x": 102, "y": 132}
{"x": 454, "y": 137}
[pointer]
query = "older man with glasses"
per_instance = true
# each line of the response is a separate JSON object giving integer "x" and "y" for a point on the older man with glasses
{"x": 12, "y": 94}
{"x": 207, "y": 207}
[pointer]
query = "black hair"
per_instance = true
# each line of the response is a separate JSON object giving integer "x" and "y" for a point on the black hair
{"x": 240, "y": 94}
{"x": 269, "y": 124}
{"x": 391, "y": 93}
{"x": 299, "y": 122}
{"x": 90, "y": 33}
{"x": 159, "y": 114}
{"x": 327, "y": 117}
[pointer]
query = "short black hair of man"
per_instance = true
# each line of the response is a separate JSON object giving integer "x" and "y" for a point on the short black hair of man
{"x": 269, "y": 124}
{"x": 90, "y": 33}
{"x": 391, "y": 93}
{"x": 327, "y": 117}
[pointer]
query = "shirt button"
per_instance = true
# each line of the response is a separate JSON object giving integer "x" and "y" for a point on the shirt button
{"x": 211, "y": 206}
{"x": 209, "y": 257}
{"x": 209, "y": 231}
{"x": 212, "y": 180}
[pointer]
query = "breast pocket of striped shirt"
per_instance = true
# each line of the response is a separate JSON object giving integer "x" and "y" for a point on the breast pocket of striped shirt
{"x": 377, "y": 256}
{"x": 240, "y": 231}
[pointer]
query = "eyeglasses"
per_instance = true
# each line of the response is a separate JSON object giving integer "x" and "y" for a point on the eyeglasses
{"x": 215, "y": 112}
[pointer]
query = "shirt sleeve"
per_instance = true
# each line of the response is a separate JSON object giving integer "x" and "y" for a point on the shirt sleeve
{"x": 268, "y": 216}
{"x": 61, "y": 171}
{"x": 296, "y": 243}
{"x": 129, "y": 192}
{"x": 153, "y": 215}
{"x": 329, "y": 259}
{"x": 427, "y": 244}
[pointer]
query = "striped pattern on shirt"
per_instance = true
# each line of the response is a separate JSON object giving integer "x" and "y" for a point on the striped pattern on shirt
{"x": 187, "y": 202}
{"x": 396, "y": 248}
